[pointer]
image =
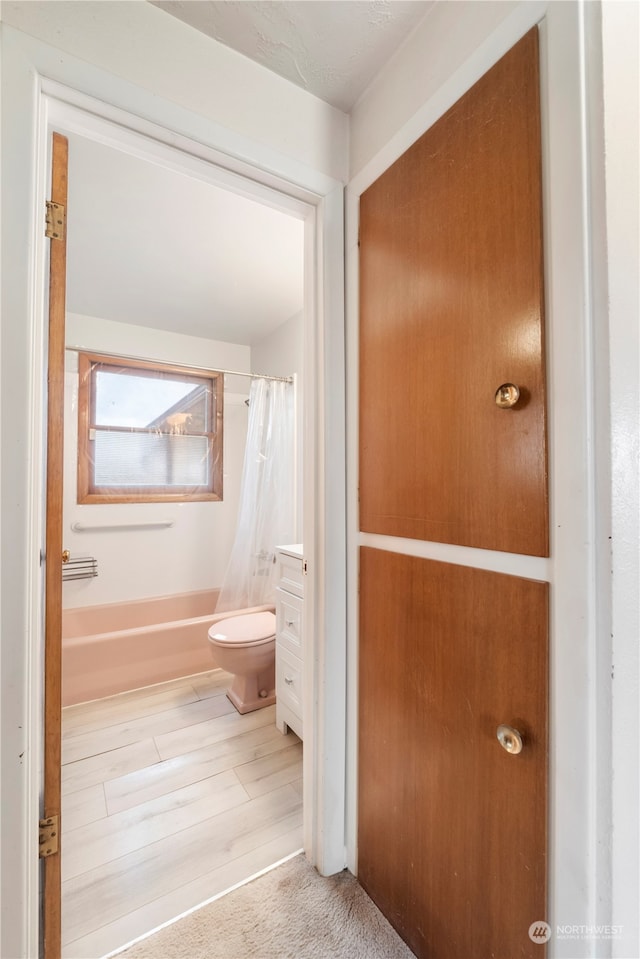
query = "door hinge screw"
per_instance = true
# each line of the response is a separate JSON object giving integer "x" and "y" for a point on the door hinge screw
{"x": 48, "y": 836}
{"x": 55, "y": 220}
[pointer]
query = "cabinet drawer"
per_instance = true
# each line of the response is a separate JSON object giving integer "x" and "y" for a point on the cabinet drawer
{"x": 290, "y": 574}
{"x": 289, "y": 680}
{"x": 289, "y": 621}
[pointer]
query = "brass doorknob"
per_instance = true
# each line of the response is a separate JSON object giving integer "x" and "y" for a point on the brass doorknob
{"x": 510, "y": 739}
{"x": 507, "y": 396}
{"x": 66, "y": 555}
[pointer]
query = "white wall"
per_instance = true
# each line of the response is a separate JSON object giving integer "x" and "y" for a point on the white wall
{"x": 621, "y": 55}
{"x": 281, "y": 353}
{"x": 145, "y": 46}
{"x": 192, "y": 554}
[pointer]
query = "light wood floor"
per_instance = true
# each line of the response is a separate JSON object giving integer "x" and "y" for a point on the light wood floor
{"x": 169, "y": 797}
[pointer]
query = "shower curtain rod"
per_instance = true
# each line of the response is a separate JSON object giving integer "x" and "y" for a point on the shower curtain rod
{"x": 201, "y": 369}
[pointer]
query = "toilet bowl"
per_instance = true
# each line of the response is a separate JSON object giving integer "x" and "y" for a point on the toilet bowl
{"x": 245, "y": 645}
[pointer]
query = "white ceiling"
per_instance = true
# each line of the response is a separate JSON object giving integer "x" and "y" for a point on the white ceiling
{"x": 332, "y": 48}
{"x": 161, "y": 249}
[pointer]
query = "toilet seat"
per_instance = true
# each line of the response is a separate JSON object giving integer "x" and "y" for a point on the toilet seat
{"x": 249, "y": 629}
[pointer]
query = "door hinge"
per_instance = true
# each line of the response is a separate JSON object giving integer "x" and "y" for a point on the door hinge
{"x": 55, "y": 220}
{"x": 305, "y": 567}
{"x": 48, "y": 837}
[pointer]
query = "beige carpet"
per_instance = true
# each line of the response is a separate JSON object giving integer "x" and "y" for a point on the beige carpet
{"x": 289, "y": 913}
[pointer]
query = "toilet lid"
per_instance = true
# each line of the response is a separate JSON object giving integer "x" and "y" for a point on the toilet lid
{"x": 245, "y": 630}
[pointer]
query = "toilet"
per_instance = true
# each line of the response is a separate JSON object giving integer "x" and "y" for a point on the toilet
{"x": 245, "y": 645}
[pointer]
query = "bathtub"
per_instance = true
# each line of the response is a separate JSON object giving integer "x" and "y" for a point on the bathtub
{"x": 110, "y": 649}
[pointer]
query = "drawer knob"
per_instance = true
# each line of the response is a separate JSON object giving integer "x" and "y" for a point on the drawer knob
{"x": 288, "y": 680}
{"x": 289, "y": 622}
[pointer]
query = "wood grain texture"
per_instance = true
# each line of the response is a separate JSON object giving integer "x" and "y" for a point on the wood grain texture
{"x": 452, "y": 829}
{"x": 132, "y": 881}
{"x": 83, "y": 806}
{"x": 153, "y": 838}
{"x": 108, "y": 766}
{"x": 145, "y": 783}
{"x": 131, "y": 731}
{"x": 451, "y": 307}
{"x": 103, "y": 841}
{"x": 273, "y": 845}
{"x": 126, "y": 707}
{"x": 53, "y": 548}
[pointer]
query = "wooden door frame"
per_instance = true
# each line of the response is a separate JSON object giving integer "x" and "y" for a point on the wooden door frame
{"x": 51, "y": 809}
{"x": 295, "y": 187}
{"x": 578, "y": 871}
{"x": 323, "y": 832}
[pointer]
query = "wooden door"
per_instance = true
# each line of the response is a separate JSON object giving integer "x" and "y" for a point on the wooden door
{"x": 452, "y": 828}
{"x": 51, "y": 911}
{"x": 451, "y": 307}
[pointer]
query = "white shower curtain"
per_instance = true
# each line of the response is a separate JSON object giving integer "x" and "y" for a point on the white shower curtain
{"x": 266, "y": 515}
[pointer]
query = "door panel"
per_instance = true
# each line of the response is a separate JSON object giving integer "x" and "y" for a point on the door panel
{"x": 53, "y": 569}
{"x": 452, "y": 828}
{"x": 451, "y": 307}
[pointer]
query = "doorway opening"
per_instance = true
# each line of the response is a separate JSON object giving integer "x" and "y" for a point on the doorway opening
{"x": 94, "y": 731}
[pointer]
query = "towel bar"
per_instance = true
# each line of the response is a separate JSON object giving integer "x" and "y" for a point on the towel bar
{"x": 140, "y": 524}
{"x": 79, "y": 567}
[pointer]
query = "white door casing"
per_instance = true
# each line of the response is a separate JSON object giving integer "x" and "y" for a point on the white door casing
{"x": 38, "y": 104}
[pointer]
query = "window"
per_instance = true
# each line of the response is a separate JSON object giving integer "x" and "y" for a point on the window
{"x": 148, "y": 433}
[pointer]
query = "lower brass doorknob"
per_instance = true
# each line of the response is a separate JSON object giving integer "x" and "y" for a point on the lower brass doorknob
{"x": 507, "y": 396}
{"x": 510, "y": 739}
{"x": 66, "y": 555}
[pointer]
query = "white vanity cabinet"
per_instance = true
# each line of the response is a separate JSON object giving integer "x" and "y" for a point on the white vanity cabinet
{"x": 289, "y": 639}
